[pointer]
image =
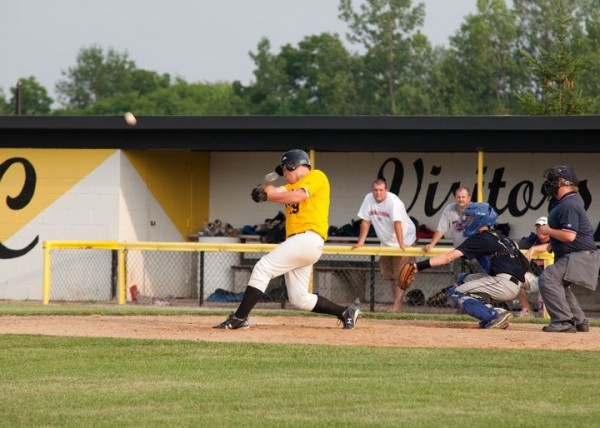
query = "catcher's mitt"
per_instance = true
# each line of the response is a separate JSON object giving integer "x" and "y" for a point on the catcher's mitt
{"x": 407, "y": 275}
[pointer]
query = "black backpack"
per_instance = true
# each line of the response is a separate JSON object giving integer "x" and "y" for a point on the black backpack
{"x": 276, "y": 230}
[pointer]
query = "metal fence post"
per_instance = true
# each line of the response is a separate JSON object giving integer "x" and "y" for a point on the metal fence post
{"x": 201, "y": 288}
{"x": 372, "y": 284}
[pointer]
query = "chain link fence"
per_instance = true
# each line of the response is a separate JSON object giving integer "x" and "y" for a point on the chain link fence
{"x": 216, "y": 276}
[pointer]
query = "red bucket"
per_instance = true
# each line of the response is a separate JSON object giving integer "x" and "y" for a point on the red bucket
{"x": 135, "y": 293}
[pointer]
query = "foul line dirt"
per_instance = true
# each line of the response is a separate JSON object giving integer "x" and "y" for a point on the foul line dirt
{"x": 305, "y": 330}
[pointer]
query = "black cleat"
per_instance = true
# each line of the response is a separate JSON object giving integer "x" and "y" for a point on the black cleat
{"x": 584, "y": 327}
{"x": 560, "y": 327}
{"x": 233, "y": 323}
{"x": 350, "y": 316}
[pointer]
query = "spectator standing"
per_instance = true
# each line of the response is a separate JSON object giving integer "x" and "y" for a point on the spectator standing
{"x": 450, "y": 224}
{"x": 451, "y": 220}
{"x": 576, "y": 259}
{"x": 394, "y": 228}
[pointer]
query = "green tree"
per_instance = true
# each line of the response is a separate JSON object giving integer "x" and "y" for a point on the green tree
{"x": 385, "y": 29}
{"x": 536, "y": 31}
{"x": 34, "y": 97}
{"x": 586, "y": 44}
{"x": 195, "y": 99}
{"x": 268, "y": 94}
{"x": 556, "y": 70}
{"x": 179, "y": 99}
{"x": 480, "y": 66}
{"x": 318, "y": 77}
{"x": 4, "y": 107}
{"x": 415, "y": 95}
{"x": 98, "y": 75}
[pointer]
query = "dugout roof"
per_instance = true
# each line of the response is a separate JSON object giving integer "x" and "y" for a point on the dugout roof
{"x": 545, "y": 134}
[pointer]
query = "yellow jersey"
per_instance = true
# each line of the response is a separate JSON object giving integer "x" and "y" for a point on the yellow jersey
{"x": 313, "y": 212}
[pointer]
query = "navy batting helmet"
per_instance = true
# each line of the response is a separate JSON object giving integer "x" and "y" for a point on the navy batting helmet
{"x": 476, "y": 215}
{"x": 291, "y": 160}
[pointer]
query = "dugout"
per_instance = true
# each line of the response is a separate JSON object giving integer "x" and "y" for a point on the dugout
{"x": 189, "y": 152}
{"x": 161, "y": 176}
{"x": 492, "y": 134}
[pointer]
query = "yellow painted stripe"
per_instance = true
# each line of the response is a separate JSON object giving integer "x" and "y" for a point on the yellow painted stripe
{"x": 33, "y": 179}
{"x": 179, "y": 181}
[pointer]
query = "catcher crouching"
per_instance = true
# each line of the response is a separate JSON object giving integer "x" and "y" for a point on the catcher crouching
{"x": 505, "y": 270}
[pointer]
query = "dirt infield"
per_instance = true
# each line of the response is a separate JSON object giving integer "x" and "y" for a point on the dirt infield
{"x": 304, "y": 330}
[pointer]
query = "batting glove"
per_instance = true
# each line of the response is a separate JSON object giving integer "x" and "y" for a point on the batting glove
{"x": 258, "y": 194}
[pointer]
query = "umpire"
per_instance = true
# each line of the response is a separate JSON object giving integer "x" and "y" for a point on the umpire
{"x": 576, "y": 259}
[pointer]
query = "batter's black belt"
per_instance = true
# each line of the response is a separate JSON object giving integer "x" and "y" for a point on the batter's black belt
{"x": 515, "y": 280}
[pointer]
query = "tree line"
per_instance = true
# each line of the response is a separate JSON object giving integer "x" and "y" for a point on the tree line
{"x": 535, "y": 57}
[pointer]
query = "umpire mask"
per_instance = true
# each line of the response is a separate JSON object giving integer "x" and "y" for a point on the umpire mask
{"x": 557, "y": 176}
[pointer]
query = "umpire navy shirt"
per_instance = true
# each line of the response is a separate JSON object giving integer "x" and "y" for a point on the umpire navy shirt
{"x": 486, "y": 244}
{"x": 569, "y": 214}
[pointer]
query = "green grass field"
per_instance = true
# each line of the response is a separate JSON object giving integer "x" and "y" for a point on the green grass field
{"x": 62, "y": 381}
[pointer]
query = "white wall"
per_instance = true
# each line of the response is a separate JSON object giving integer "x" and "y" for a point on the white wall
{"x": 111, "y": 202}
{"x": 88, "y": 211}
{"x": 233, "y": 175}
{"x": 141, "y": 218}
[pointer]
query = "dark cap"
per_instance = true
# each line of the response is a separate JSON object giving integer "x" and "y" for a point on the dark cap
{"x": 568, "y": 174}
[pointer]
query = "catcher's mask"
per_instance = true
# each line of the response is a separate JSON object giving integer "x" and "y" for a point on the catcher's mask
{"x": 558, "y": 175}
{"x": 291, "y": 160}
{"x": 476, "y": 215}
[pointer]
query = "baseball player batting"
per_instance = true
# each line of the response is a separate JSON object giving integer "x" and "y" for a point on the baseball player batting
{"x": 306, "y": 201}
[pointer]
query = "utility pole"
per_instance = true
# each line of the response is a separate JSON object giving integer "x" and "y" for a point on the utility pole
{"x": 18, "y": 98}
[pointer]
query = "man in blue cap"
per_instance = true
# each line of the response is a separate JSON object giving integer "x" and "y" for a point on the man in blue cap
{"x": 576, "y": 259}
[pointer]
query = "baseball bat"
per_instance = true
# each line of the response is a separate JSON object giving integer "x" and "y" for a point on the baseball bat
{"x": 269, "y": 178}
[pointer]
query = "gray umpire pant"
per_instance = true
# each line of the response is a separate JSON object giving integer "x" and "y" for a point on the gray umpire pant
{"x": 557, "y": 294}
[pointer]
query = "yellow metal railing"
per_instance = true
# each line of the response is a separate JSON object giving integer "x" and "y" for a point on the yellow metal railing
{"x": 121, "y": 247}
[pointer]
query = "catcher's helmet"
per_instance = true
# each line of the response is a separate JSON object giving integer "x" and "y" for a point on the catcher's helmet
{"x": 556, "y": 176}
{"x": 476, "y": 215}
{"x": 291, "y": 160}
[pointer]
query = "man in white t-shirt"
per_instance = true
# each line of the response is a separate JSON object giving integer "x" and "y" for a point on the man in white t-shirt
{"x": 394, "y": 228}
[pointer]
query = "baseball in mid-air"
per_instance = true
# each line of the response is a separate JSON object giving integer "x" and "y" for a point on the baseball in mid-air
{"x": 130, "y": 119}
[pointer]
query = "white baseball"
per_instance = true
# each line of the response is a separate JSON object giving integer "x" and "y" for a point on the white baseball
{"x": 130, "y": 119}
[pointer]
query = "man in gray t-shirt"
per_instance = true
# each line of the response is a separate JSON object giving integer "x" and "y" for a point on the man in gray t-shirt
{"x": 451, "y": 220}
{"x": 450, "y": 224}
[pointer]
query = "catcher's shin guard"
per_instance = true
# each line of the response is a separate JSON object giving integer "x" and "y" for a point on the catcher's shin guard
{"x": 472, "y": 306}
